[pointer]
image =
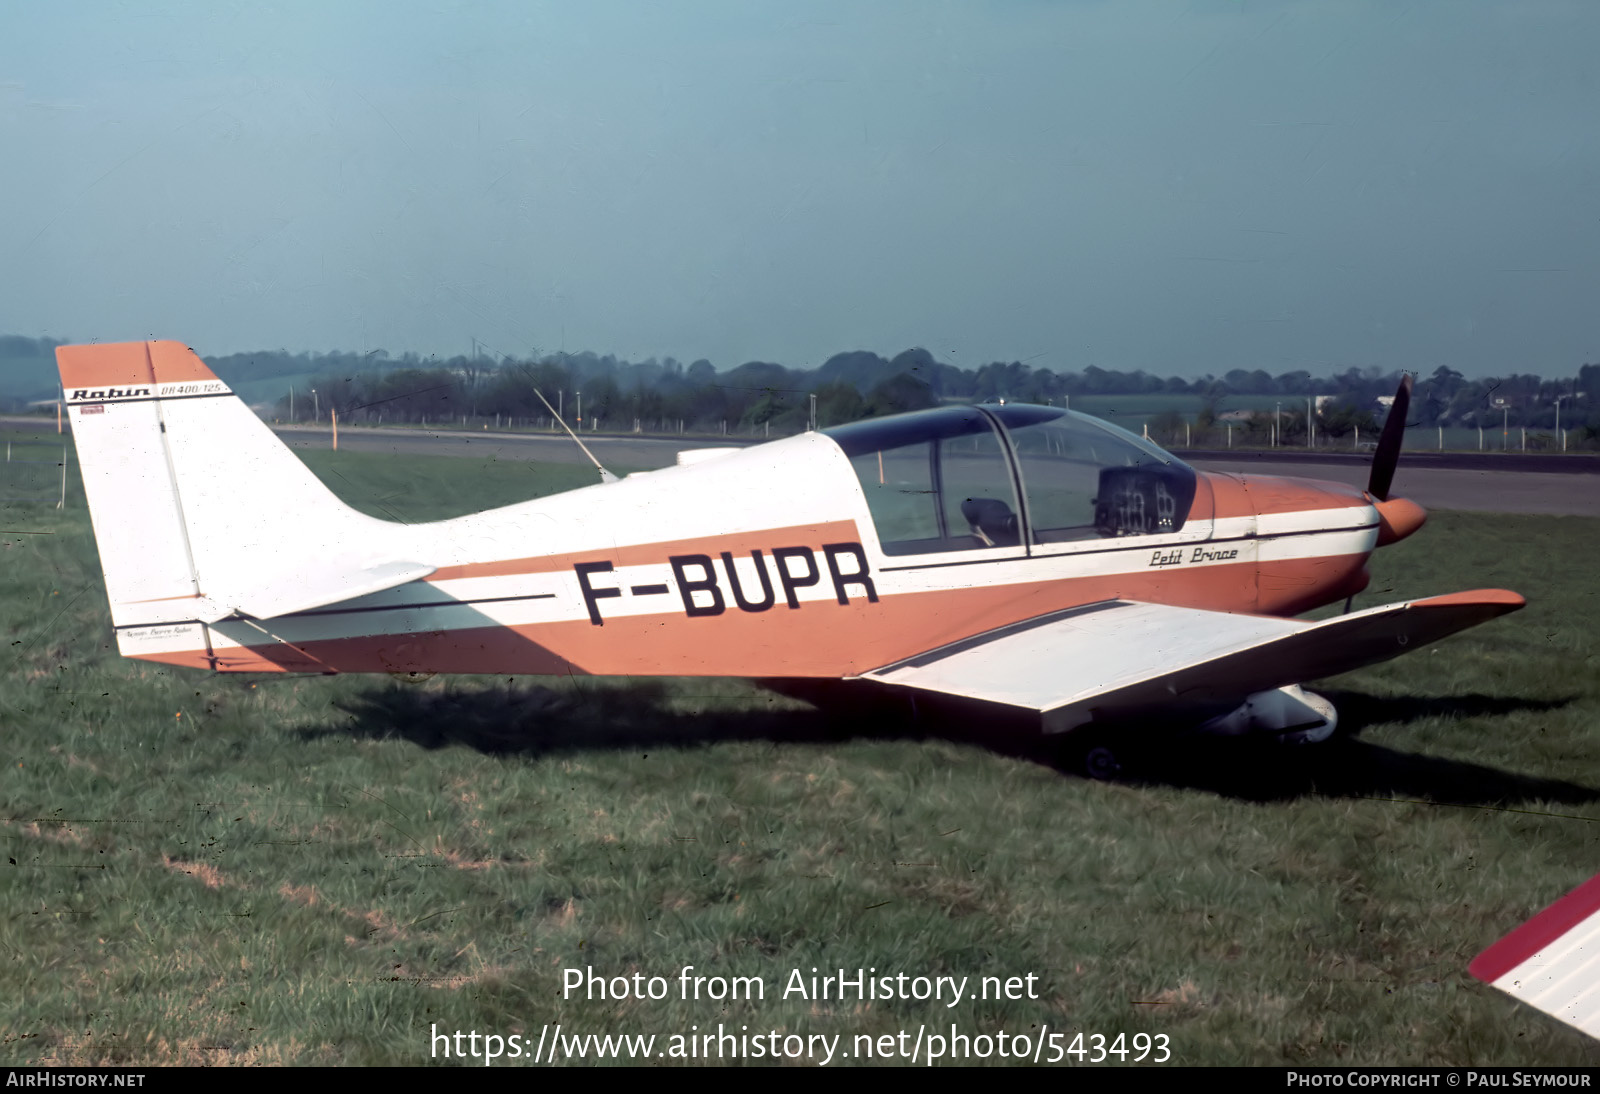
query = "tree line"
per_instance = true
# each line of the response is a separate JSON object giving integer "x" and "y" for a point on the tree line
{"x": 667, "y": 395}
{"x": 655, "y": 395}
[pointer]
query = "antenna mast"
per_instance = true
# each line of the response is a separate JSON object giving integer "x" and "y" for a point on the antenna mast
{"x": 605, "y": 476}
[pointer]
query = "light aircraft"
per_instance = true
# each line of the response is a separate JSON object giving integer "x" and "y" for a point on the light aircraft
{"x": 1014, "y": 559}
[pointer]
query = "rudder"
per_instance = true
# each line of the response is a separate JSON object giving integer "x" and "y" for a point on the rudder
{"x": 200, "y": 512}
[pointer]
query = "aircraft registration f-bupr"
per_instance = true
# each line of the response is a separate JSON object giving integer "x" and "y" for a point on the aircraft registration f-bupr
{"x": 1025, "y": 560}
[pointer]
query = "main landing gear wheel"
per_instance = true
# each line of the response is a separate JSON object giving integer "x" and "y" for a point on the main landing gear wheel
{"x": 1099, "y": 762}
{"x": 1096, "y": 752}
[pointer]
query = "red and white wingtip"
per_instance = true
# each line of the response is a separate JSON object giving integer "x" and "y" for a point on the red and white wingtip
{"x": 1552, "y": 961}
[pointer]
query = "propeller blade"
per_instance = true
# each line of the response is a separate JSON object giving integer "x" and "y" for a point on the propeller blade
{"x": 1389, "y": 442}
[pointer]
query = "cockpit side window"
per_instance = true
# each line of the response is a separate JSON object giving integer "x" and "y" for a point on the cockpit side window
{"x": 900, "y": 493}
{"x": 976, "y": 491}
{"x": 935, "y": 481}
{"x": 1087, "y": 479}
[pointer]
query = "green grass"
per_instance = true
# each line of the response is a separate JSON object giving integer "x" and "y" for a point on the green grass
{"x": 433, "y": 488}
{"x": 221, "y": 869}
{"x": 30, "y": 467}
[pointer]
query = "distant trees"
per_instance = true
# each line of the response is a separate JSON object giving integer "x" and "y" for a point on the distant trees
{"x": 1168, "y": 428}
{"x": 898, "y": 394}
{"x": 27, "y": 370}
{"x": 766, "y": 395}
{"x": 614, "y": 394}
{"x": 838, "y": 402}
{"x": 14, "y": 347}
{"x": 661, "y": 394}
{"x": 1345, "y": 416}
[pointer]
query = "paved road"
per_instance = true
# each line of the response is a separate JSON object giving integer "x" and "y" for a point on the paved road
{"x": 619, "y": 453}
{"x": 1575, "y": 463}
{"x": 1489, "y": 483}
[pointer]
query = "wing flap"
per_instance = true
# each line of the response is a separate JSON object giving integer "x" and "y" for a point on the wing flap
{"x": 1119, "y": 659}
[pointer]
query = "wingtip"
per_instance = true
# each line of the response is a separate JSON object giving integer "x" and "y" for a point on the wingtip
{"x": 1503, "y": 599}
{"x": 1535, "y": 934}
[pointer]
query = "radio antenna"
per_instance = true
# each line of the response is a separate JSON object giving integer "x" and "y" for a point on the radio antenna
{"x": 605, "y": 476}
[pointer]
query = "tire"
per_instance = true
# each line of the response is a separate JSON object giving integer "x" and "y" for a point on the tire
{"x": 1101, "y": 763}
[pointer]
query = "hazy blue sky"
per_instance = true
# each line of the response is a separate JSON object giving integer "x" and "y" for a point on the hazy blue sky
{"x": 1174, "y": 187}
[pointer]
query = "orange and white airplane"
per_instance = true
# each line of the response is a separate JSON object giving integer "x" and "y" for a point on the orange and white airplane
{"x": 1014, "y": 557}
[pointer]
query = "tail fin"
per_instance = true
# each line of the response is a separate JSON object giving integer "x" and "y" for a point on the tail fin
{"x": 199, "y": 511}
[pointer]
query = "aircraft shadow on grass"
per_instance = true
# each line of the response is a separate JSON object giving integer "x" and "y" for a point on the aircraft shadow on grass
{"x": 1347, "y": 766}
{"x": 645, "y": 714}
{"x": 534, "y": 720}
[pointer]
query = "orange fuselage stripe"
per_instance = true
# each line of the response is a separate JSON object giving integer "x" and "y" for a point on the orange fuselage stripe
{"x": 821, "y": 638}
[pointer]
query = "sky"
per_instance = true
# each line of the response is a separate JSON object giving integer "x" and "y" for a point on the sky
{"x": 1179, "y": 188}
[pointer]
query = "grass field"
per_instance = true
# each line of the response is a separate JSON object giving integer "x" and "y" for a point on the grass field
{"x": 221, "y": 869}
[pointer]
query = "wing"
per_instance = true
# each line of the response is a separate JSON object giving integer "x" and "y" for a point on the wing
{"x": 1553, "y": 960}
{"x": 1121, "y": 659}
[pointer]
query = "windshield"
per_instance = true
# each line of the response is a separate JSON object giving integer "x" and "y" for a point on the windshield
{"x": 1087, "y": 479}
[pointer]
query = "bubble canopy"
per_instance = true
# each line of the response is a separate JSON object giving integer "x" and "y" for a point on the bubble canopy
{"x": 1011, "y": 476}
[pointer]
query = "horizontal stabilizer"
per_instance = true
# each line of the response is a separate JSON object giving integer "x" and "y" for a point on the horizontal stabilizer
{"x": 1120, "y": 659}
{"x": 306, "y": 588}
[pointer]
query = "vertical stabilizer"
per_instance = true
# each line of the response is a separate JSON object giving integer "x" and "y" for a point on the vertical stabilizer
{"x": 111, "y": 396}
{"x": 199, "y": 510}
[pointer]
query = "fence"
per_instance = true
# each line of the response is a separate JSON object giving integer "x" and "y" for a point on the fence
{"x": 35, "y": 471}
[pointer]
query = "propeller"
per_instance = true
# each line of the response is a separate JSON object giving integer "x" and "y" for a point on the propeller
{"x": 1393, "y": 436}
